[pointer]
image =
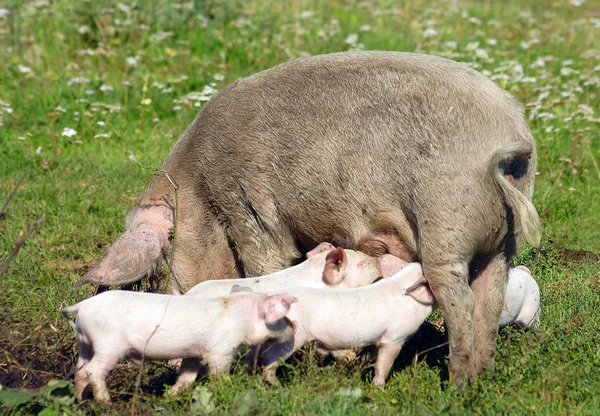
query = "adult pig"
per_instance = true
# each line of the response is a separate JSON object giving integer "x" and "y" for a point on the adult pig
{"x": 410, "y": 154}
{"x": 117, "y": 324}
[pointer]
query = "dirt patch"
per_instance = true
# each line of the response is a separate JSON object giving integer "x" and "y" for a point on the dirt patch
{"x": 579, "y": 255}
{"x": 33, "y": 354}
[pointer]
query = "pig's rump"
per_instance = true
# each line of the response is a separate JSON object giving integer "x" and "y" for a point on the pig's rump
{"x": 154, "y": 327}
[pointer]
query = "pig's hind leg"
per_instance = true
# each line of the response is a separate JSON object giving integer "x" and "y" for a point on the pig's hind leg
{"x": 97, "y": 370}
{"x": 81, "y": 376}
{"x": 449, "y": 282}
{"x": 489, "y": 288}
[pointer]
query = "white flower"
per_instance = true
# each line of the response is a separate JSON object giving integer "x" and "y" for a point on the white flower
{"x": 8, "y": 110}
{"x": 539, "y": 63}
{"x": 451, "y": 44}
{"x": 567, "y": 62}
{"x": 219, "y": 77}
{"x": 365, "y": 28}
{"x": 21, "y": 138}
{"x": 132, "y": 60}
{"x": 101, "y": 135}
{"x": 38, "y": 150}
{"x": 132, "y": 157}
{"x": 83, "y": 29}
{"x": 471, "y": 46}
{"x": 351, "y": 39}
{"x": 491, "y": 42}
{"x": 69, "y": 132}
{"x": 475, "y": 20}
{"x": 481, "y": 53}
{"x": 123, "y": 7}
{"x": 576, "y": 3}
{"x": 306, "y": 14}
{"x": 25, "y": 69}
{"x": 78, "y": 80}
{"x": 105, "y": 87}
{"x": 3, "y": 12}
{"x": 101, "y": 123}
{"x": 429, "y": 32}
{"x": 565, "y": 71}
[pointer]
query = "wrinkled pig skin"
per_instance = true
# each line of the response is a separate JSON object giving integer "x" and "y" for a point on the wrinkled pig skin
{"x": 410, "y": 154}
{"x": 119, "y": 324}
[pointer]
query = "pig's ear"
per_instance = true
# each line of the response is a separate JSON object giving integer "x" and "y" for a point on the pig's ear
{"x": 321, "y": 248}
{"x": 275, "y": 307}
{"x": 238, "y": 288}
{"x": 420, "y": 292}
{"x": 136, "y": 253}
{"x": 175, "y": 292}
{"x": 335, "y": 266}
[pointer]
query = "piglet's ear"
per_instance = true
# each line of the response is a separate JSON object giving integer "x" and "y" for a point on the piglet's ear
{"x": 321, "y": 248}
{"x": 335, "y": 266}
{"x": 238, "y": 288}
{"x": 275, "y": 307}
{"x": 420, "y": 292}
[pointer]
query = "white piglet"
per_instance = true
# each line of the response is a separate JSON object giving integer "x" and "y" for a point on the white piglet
{"x": 521, "y": 300}
{"x": 119, "y": 324}
{"x": 384, "y": 314}
{"x": 326, "y": 266}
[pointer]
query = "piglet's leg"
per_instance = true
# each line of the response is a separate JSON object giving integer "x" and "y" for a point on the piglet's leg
{"x": 218, "y": 364}
{"x": 344, "y": 356}
{"x": 386, "y": 355}
{"x": 271, "y": 357}
{"x": 188, "y": 371}
{"x": 81, "y": 376}
{"x": 97, "y": 370}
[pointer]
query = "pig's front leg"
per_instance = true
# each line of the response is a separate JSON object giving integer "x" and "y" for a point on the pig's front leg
{"x": 344, "y": 356}
{"x": 386, "y": 354}
{"x": 219, "y": 363}
{"x": 188, "y": 371}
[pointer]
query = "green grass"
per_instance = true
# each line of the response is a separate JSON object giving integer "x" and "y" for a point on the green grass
{"x": 83, "y": 185}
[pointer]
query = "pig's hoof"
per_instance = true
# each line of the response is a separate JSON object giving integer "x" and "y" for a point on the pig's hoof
{"x": 379, "y": 382}
{"x": 270, "y": 377}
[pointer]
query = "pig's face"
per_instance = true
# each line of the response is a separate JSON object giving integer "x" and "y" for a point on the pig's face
{"x": 349, "y": 269}
{"x": 270, "y": 322}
